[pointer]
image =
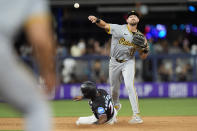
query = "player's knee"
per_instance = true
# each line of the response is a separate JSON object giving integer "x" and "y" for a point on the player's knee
{"x": 130, "y": 88}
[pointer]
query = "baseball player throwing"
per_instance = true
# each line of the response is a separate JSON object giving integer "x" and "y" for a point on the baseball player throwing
{"x": 126, "y": 39}
{"x": 100, "y": 103}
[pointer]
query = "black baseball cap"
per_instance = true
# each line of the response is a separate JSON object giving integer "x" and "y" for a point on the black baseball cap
{"x": 133, "y": 12}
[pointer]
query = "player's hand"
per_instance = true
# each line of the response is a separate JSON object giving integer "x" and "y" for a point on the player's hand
{"x": 77, "y": 98}
{"x": 92, "y": 18}
{"x": 50, "y": 83}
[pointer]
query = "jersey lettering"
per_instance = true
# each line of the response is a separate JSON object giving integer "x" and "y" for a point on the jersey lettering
{"x": 124, "y": 42}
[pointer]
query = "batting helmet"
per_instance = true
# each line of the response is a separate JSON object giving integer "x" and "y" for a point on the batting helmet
{"x": 88, "y": 89}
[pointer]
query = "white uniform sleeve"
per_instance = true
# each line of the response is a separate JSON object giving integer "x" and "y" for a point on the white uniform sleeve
{"x": 115, "y": 29}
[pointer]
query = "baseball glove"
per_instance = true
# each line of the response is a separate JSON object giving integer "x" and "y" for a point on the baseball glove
{"x": 139, "y": 40}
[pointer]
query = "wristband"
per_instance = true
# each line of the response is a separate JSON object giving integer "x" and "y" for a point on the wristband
{"x": 145, "y": 50}
{"x": 98, "y": 20}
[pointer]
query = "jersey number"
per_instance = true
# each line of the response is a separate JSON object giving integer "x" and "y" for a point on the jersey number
{"x": 132, "y": 51}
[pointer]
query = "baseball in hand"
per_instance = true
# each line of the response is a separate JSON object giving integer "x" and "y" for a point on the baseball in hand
{"x": 76, "y": 5}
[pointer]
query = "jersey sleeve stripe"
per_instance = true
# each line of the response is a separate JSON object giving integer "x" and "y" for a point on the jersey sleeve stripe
{"x": 37, "y": 18}
{"x": 109, "y": 32}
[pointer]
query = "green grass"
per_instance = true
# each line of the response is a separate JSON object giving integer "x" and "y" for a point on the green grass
{"x": 148, "y": 107}
{"x": 7, "y": 111}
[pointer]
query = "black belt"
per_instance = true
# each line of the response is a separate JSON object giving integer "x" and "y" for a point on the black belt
{"x": 121, "y": 61}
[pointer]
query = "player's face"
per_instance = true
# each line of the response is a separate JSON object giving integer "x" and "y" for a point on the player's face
{"x": 132, "y": 19}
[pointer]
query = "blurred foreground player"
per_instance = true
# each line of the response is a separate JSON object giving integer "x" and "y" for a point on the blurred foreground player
{"x": 17, "y": 85}
{"x": 100, "y": 103}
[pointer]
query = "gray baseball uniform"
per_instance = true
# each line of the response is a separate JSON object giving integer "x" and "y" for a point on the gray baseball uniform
{"x": 122, "y": 64}
{"x": 17, "y": 86}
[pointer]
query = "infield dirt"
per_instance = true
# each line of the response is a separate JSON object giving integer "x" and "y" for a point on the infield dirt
{"x": 172, "y": 123}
